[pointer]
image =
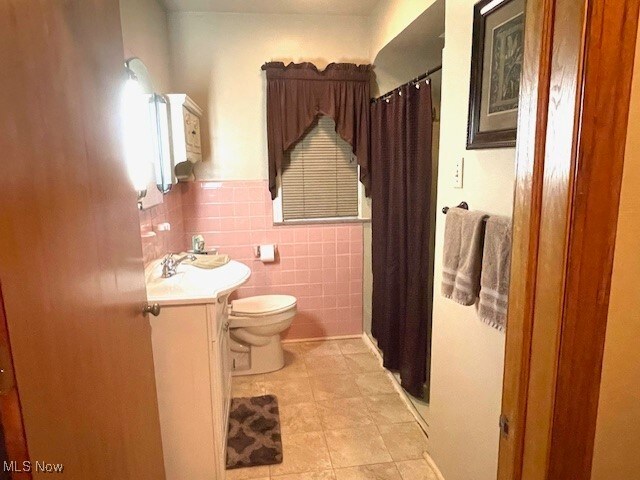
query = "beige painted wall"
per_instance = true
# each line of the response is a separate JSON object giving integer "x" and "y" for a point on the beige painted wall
{"x": 468, "y": 356}
{"x": 617, "y": 439}
{"x": 217, "y": 60}
{"x": 145, "y": 33}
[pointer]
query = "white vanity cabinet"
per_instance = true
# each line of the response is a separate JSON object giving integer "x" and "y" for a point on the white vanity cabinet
{"x": 221, "y": 379}
{"x": 190, "y": 338}
{"x": 193, "y": 381}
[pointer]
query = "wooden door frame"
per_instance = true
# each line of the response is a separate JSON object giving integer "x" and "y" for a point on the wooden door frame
{"x": 570, "y": 153}
{"x": 15, "y": 441}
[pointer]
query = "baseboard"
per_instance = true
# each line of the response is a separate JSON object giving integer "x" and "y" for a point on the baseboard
{"x": 374, "y": 349}
{"x": 321, "y": 339}
{"x": 433, "y": 466}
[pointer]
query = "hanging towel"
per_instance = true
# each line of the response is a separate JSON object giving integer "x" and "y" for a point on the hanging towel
{"x": 208, "y": 262}
{"x": 494, "y": 284}
{"x": 463, "y": 237}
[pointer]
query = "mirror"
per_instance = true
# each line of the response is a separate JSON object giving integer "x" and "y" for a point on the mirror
{"x": 146, "y": 136}
{"x": 165, "y": 177}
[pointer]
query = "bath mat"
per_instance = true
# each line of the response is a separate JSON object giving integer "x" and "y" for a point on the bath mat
{"x": 254, "y": 432}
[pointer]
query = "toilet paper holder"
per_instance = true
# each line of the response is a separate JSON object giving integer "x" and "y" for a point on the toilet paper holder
{"x": 256, "y": 250}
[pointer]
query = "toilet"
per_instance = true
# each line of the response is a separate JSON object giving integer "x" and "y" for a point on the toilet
{"x": 255, "y": 324}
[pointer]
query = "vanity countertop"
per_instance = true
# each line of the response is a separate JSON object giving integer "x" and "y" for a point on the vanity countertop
{"x": 192, "y": 285}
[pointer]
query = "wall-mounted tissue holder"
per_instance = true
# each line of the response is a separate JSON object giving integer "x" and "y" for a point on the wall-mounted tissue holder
{"x": 266, "y": 253}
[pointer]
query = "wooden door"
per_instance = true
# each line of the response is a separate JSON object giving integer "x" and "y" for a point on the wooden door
{"x": 571, "y": 135}
{"x": 70, "y": 253}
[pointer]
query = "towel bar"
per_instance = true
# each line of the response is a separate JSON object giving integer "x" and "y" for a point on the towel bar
{"x": 463, "y": 205}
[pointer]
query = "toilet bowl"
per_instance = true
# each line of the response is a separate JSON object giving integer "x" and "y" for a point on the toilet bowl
{"x": 255, "y": 324}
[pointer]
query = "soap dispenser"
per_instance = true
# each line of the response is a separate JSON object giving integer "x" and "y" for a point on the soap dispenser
{"x": 197, "y": 244}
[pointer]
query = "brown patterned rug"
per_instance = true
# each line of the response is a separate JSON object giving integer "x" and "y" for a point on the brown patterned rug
{"x": 254, "y": 432}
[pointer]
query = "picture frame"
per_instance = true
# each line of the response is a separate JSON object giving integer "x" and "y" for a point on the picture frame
{"x": 496, "y": 67}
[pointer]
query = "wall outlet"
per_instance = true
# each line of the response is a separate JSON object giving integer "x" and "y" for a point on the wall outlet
{"x": 458, "y": 173}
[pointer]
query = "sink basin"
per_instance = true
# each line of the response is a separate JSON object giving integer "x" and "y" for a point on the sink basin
{"x": 193, "y": 285}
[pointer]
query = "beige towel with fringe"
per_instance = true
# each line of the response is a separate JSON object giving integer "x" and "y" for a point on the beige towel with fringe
{"x": 208, "y": 261}
{"x": 462, "y": 258}
{"x": 496, "y": 262}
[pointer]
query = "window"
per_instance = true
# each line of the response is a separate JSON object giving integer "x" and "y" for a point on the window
{"x": 319, "y": 178}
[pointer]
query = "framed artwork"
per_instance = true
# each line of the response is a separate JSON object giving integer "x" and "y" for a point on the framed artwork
{"x": 496, "y": 66}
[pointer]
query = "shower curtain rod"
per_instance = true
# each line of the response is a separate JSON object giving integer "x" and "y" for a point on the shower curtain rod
{"x": 411, "y": 82}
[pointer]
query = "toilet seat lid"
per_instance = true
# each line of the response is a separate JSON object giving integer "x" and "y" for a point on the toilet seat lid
{"x": 263, "y": 305}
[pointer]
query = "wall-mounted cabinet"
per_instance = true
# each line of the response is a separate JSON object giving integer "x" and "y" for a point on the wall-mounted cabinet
{"x": 161, "y": 135}
{"x": 185, "y": 123}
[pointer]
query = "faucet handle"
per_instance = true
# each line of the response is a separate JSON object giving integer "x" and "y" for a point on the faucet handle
{"x": 169, "y": 265}
{"x": 168, "y": 259}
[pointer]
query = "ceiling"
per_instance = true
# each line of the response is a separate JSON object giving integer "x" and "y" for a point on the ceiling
{"x": 323, "y": 7}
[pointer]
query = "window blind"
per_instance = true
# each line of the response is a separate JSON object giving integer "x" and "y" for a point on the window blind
{"x": 320, "y": 176}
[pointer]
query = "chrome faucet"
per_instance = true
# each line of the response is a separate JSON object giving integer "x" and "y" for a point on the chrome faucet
{"x": 169, "y": 264}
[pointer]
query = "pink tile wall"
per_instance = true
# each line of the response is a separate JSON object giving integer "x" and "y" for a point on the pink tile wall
{"x": 319, "y": 264}
{"x": 163, "y": 242}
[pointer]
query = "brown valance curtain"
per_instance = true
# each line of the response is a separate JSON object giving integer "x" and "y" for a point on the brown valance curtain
{"x": 297, "y": 93}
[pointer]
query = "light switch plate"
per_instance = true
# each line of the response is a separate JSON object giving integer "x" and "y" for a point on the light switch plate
{"x": 458, "y": 173}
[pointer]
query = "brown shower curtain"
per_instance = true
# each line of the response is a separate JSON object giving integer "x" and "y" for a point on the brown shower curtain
{"x": 401, "y": 179}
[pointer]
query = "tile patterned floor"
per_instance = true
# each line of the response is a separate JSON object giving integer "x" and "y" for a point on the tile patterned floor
{"x": 341, "y": 417}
